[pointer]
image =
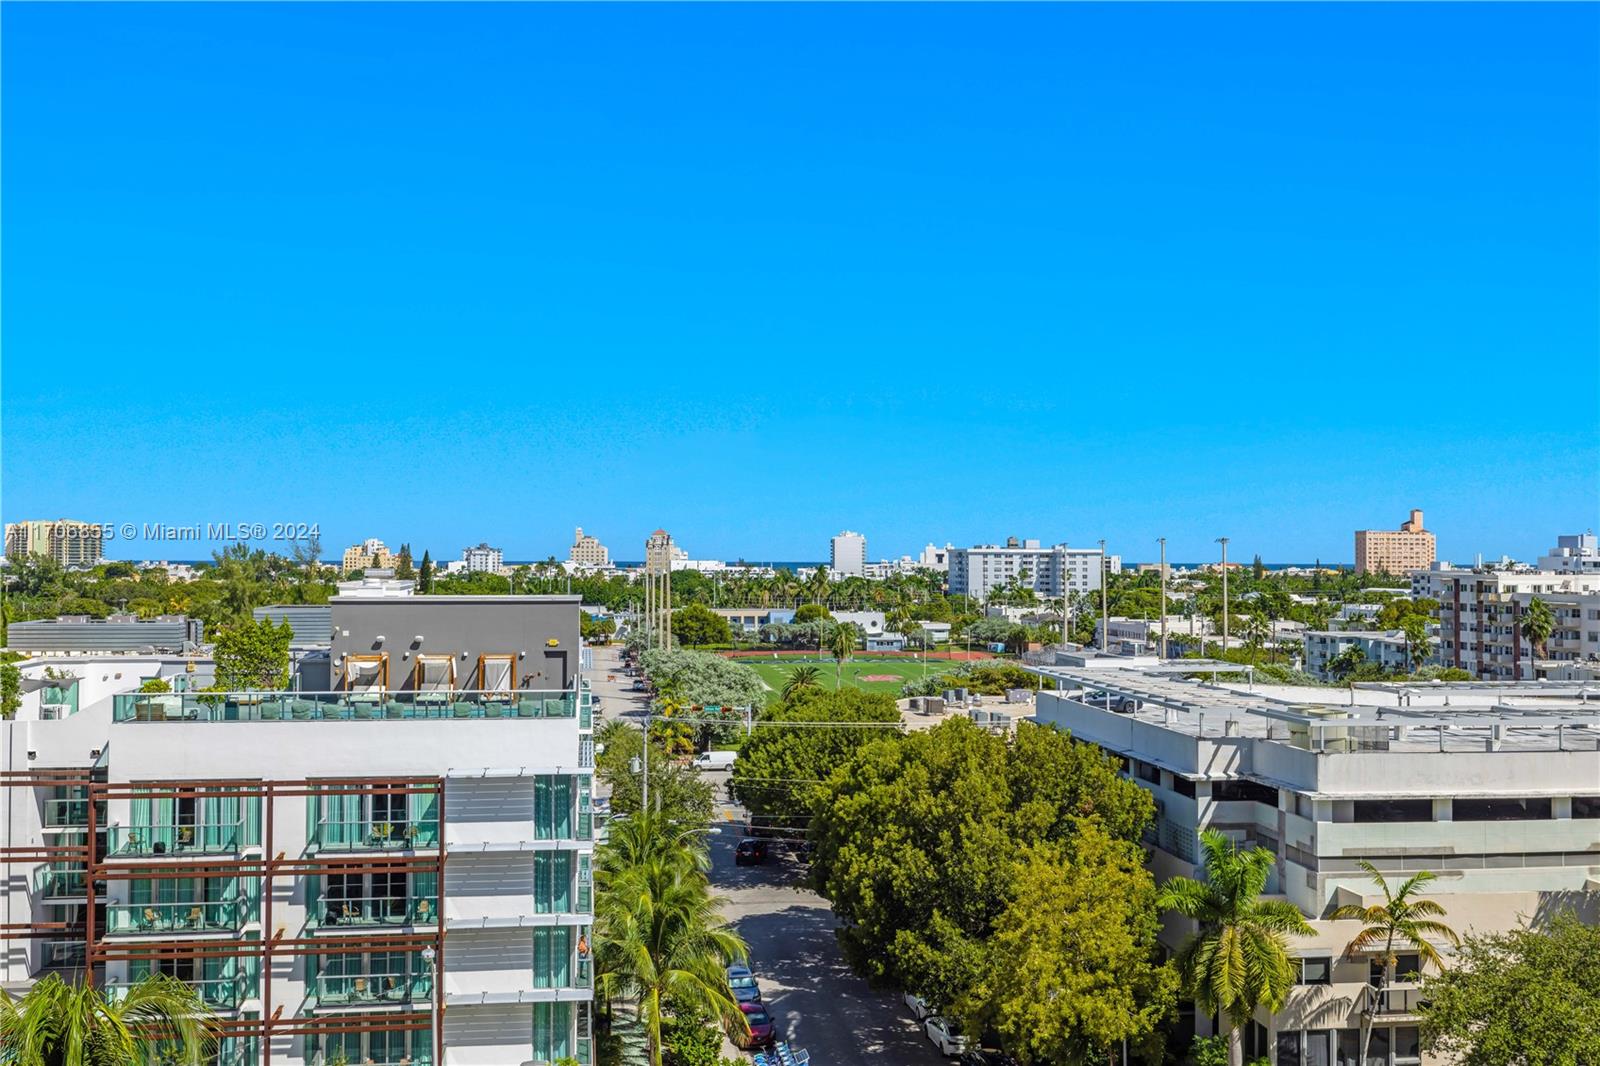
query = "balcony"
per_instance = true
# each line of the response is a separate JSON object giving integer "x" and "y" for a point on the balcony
{"x": 61, "y": 884}
{"x": 370, "y": 990}
{"x": 67, "y": 813}
{"x": 367, "y": 912}
{"x": 176, "y": 840}
{"x": 152, "y": 919}
{"x": 342, "y": 706}
{"x": 364, "y": 834}
{"x": 58, "y": 700}
{"x": 1396, "y": 1001}
{"x": 221, "y": 993}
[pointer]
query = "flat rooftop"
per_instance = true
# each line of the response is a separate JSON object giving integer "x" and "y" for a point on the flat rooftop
{"x": 1431, "y": 716}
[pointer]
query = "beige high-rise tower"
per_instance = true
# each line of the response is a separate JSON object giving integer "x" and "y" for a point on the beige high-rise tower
{"x": 658, "y": 589}
{"x": 1395, "y": 551}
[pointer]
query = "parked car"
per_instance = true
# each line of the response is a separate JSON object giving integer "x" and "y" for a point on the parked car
{"x": 945, "y": 1034}
{"x": 986, "y": 1058}
{"x": 750, "y": 853}
{"x": 743, "y": 984}
{"x": 714, "y": 760}
{"x": 1118, "y": 704}
{"x": 640, "y": 686}
{"x": 917, "y": 1006}
{"x": 763, "y": 1030}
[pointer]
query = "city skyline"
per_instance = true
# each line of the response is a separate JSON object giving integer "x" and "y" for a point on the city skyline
{"x": 1039, "y": 271}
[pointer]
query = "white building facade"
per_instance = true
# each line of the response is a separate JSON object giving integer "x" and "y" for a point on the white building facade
{"x": 847, "y": 554}
{"x": 1481, "y": 615}
{"x": 1495, "y": 790}
{"x": 396, "y": 870}
{"x": 1050, "y": 571}
{"x": 483, "y": 559}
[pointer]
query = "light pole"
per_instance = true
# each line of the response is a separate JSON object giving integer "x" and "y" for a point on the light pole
{"x": 1224, "y": 542}
{"x": 431, "y": 958}
{"x": 1163, "y": 541}
{"x": 1105, "y": 618}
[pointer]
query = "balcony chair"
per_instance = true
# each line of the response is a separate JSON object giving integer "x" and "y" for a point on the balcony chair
{"x": 424, "y": 911}
{"x": 149, "y": 919}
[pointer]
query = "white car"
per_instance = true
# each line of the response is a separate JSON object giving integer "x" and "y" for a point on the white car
{"x": 917, "y": 1005}
{"x": 946, "y": 1035}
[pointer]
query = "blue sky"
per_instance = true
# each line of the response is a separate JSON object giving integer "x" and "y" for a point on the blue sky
{"x": 759, "y": 273}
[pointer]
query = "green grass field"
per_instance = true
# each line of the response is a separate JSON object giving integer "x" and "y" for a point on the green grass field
{"x": 776, "y": 672}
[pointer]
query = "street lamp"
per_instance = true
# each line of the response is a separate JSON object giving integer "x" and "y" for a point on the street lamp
{"x": 1105, "y": 618}
{"x": 431, "y": 958}
{"x": 1163, "y": 541}
{"x": 1224, "y": 542}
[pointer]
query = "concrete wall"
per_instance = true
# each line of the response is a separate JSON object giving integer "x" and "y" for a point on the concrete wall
{"x": 464, "y": 627}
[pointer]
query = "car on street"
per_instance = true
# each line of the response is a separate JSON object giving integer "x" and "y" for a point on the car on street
{"x": 743, "y": 984}
{"x": 714, "y": 760}
{"x": 1118, "y": 704}
{"x": 978, "y": 1057}
{"x": 762, "y": 1028}
{"x": 750, "y": 853}
{"x": 946, "y": 1035}
{"x": 917, "y": 1006}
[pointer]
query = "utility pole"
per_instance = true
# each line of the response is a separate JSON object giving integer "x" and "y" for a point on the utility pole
{"x": 1224, "y": 542}
{"x": 1105, "y": 618}
{"x": 1163, "y": 541}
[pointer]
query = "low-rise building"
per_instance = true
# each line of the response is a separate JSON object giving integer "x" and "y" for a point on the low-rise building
{"x": 886, "y": 642}
{"x": 1481, "y": 615}
{"x": 374, "y": 869}
{"x": 871, "y": 623}
{"x": 1050, "y": 572}
{"x": 1576, "y": 554}
{"x": 1386, "y": 648}
{"x": 751, "y": 619}
{"x": 119, "y": 634}
{"x": 1494, "y": 787}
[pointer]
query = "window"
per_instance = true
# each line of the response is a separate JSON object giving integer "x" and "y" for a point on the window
{"x": 1315, "y": 970}
{"x": 1500, "y": 810}
{"x": 1230, "y": 791}
{"x": 1393, "y": 810}
{"x": 1407, "y": 1044}
{"x": 1147, "y": 771}
{"x": 1349, "y": 1048}
{"x": 1183, "y": 786}
{"x": 1378, "y": 1048}
{"x": 1319, "y": 1048}
{"x": 1586, "y": 806}
{"x": 389, "y": 807}
{"x": 1289, "y": 1049}
{"x": 1304, "y": 807}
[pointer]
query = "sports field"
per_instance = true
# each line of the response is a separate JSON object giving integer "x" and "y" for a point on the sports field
{"x": 873, "y": 675}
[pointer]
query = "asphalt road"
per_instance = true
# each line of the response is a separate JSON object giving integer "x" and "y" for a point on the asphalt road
{"x": 817, "y": 1002}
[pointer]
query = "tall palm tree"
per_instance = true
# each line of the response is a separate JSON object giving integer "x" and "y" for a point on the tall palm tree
{"x": 842, "y": 642}
{"x": 57, "y": 1024}
{"x": 659, "y": 934}
{"x": 1537, "y": 625}
{"x": 800, "y": 679}
{"x": 1402, "y": 920}
{"x": 1239, "y": 958}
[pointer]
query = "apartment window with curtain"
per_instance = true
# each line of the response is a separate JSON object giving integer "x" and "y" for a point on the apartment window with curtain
{"x": 552, "y": 807}
{"x": 552, "y": 882}
{"x": 552, "y": 1037}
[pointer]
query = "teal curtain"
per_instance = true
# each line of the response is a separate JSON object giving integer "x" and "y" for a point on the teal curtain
{"x": 552, "y": 882}
{"x": 552, "y": 1035}
{"x": 552, "y": 807}
{"x": 552, "y": 956}
{"x": 424, "y": 810}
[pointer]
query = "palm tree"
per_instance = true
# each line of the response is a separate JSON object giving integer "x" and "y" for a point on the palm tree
{"x": 659, "y": 933}
{"x": 842, "y": 642}
{"x": 1418, "y": 646}
{"x": 57, "y": 1024}
{"x": 1401, "y": 920}
{"x": 802, "y": 678}
{"x": 1537, "y": 625}
{"x": 1239, "y": 958}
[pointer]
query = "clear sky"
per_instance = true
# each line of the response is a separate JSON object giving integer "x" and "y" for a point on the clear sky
{"x": 453, "y": 273}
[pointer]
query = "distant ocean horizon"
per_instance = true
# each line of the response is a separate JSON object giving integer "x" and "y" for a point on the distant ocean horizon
{"x": 801, "y": 565}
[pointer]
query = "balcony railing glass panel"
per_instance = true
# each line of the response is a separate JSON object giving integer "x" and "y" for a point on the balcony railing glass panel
{"x": 219, "y": 916}
{"x": 373, "y": 910}
{"x": 342, "y": 706}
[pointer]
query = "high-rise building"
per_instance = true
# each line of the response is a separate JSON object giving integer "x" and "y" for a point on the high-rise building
{"x": 659, "y": 560}
{"x": 370, "y": 554}
{"x": 1496, "y": 789}
{"x": 483, "y": 559}
{"x": 1048, "y": 571}
{"x": 1395, "y": 551}
{"x": 68, "y": 542}
{"x": 587, "y": 551}
{"x": 389, "y": 858}
{"x": 1575, "y": 554}
{"x": 847, "y": 554}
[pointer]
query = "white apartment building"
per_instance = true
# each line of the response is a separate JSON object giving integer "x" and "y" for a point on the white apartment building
{"x": 483, "y": 559}
{"x": 1577, "y": 554}
{"x": 70, "y": 543}
{"x": 587, "y": 552}
{"x": 1496, "y": 788}
{"x": 1386, "y": 648}
{"x": 847, "y": 554}
{"x": 1049, "y": 571}
{"x": 933, "y": 558}
{"x": 389, "y": 864}
{"x": 1481, "y": 614}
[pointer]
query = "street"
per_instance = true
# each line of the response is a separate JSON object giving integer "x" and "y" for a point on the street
{"x": 817, "y": 1002}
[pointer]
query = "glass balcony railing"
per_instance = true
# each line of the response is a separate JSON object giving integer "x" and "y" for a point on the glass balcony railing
{"x": 223, "y": 993}
{"x": 337, "y": 1058}
{"x": 67, "y": 813}
{"x": 370, "y": 911}
{"x": 61, "y": 884}
{"x": 222, "y": 916}
{"x": 367, "y": 835}
{"x": 63, "y": 954}
{"x": 58, "y": 701}
{"x": 340, "y": 706}
{"x": 344, "y": 991}
{"x": 212, "y": 839}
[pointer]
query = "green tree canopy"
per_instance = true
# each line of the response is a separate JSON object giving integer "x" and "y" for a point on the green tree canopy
{"x": 1530, "y": 997}
{"x": 57, "y": 1024}
{"x": 253, "y": 654}
{"x": 697, "y": 677}
{"x": 698, "y": 624}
